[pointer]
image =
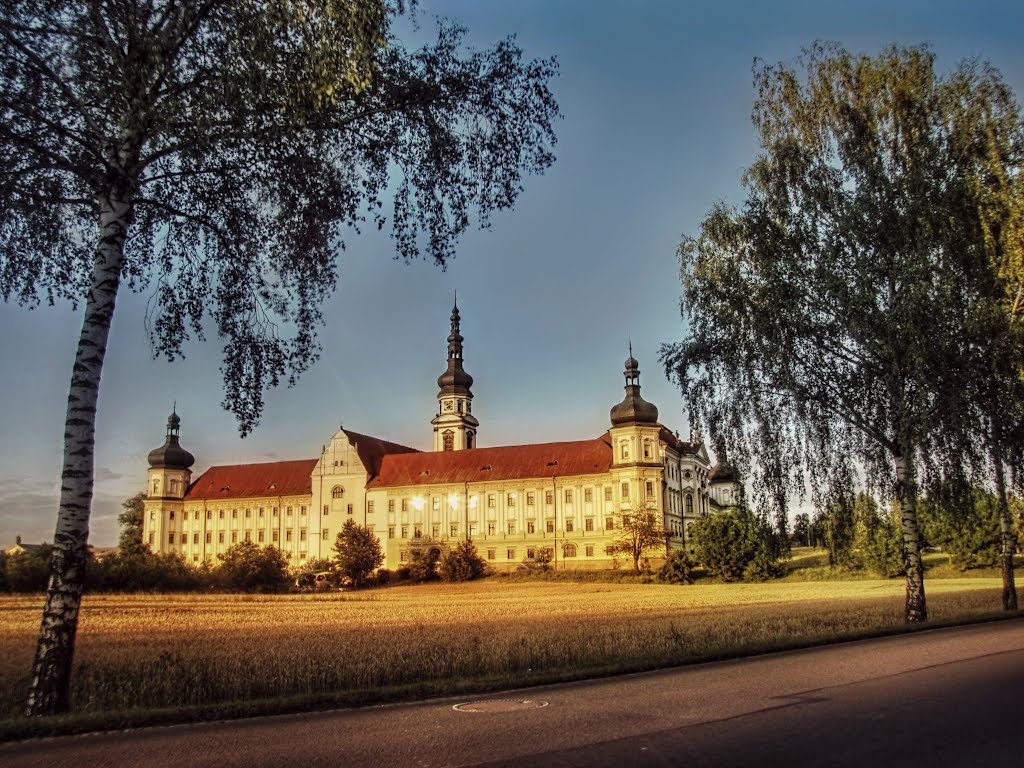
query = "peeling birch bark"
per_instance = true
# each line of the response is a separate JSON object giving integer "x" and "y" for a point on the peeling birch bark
{"x": 51, "y": 669}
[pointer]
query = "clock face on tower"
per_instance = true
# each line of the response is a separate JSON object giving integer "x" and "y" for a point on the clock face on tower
{"x": 448, "y": 406}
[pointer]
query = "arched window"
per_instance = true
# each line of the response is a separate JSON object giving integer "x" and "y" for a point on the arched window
{"x": 337, "y": 492}
{"x": 469, "y": 439}
{"x": 449, "y": 440}
{"x": 569, "y": 550}
{"x": 689, "y": 505}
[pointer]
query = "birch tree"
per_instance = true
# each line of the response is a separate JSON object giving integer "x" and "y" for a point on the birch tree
{"x": 987, "y": 151}
{"x": 826, "y": 317}
{"x": 219, "y": 154}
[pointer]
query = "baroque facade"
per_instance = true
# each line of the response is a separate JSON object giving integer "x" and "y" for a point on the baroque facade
{"x": 568, "y": 498}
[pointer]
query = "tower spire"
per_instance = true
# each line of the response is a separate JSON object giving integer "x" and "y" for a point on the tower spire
{"x": 454, "y": 426}
{"x": 633, "y": 408}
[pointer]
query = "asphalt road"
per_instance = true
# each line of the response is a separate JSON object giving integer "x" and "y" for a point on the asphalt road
{"x": 947, "y": 697}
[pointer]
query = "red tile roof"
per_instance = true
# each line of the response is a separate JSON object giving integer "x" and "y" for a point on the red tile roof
{"x": 277, "y": 478}
{"x": 372, "y": 449}
{"x": 582, "y": 457}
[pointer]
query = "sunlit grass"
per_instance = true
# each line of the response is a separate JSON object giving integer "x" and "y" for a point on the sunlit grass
{"x": 149, "y": 651}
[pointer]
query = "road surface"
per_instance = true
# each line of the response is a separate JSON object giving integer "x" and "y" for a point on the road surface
{"x": 949, "y": 697}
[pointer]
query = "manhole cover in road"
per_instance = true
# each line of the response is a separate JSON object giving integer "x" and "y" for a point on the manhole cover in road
{"x": 499, "y": 705}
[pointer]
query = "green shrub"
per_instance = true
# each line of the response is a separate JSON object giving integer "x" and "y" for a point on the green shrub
{"x": 735, "y": 544}
{"x": 247, "y": 567}
{"x": 462, "y": 563}
{"x": 678, "y": 569}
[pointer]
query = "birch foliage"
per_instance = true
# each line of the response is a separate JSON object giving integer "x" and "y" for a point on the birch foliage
{"x": 826, "y": 316}
{"x": 219, "y": 154}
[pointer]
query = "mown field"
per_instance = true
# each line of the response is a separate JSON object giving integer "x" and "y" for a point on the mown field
{"x": 239, "y": 654}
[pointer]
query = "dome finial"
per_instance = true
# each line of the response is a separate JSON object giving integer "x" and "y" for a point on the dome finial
{"x": 633, "y": 408}
{"x": 171, "y": 454}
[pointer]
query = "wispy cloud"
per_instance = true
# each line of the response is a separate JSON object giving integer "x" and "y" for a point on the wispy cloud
{"x": 105, "y": 473}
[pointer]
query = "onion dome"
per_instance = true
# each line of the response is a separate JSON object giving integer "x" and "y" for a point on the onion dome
{"x": 633, "y": 409}
{"x": 170, "y": 455}
{"x": 455, "y": 380}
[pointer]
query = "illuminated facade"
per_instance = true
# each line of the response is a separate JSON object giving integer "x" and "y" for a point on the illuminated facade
{"x": 513, "y": 501}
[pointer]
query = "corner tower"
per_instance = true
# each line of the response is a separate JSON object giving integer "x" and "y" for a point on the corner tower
{"x": 635, "y": 429}
{"x": 169, "y": 465}
{"x": 454, "y": 425}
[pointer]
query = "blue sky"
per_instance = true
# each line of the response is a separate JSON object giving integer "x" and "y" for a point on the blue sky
{"x": 656, "y": 99}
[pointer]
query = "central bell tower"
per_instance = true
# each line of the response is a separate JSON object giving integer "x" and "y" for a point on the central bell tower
{"x": 454, "y": 425}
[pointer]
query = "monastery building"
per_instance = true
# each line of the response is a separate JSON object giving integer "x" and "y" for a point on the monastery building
{"x": 512, "y": 501}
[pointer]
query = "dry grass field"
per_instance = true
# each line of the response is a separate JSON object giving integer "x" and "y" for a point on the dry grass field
{"x": 145, "y": 652}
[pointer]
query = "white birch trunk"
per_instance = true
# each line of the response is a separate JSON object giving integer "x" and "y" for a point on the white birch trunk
{"x": 1008, "y": 535}
{"x": 906, "y": 487}
{"x": 51, "y": 671}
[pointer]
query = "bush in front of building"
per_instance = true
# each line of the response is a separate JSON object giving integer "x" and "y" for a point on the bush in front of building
{"x": 143, "y": 571}
{"x": 736, "y": 545}
{"x": 463, "y": 563}
{"x": 678, "y": 569}
{"x": 424, "y": 557}
{"x": 249, "y": 568}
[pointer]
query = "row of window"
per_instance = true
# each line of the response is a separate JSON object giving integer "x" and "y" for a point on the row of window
{"x": 261, "y": 536}
{"x": 248, "y": 513}
{"x": 209, "y": 558}
{"x": 173, "y": 487}
{"x": 648, "y": 450}
{"x": 222, "y": 513}
{"x": 568, "y": 550}
{"x": 531, "y": 497}
{"x": 531, "y": 527}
